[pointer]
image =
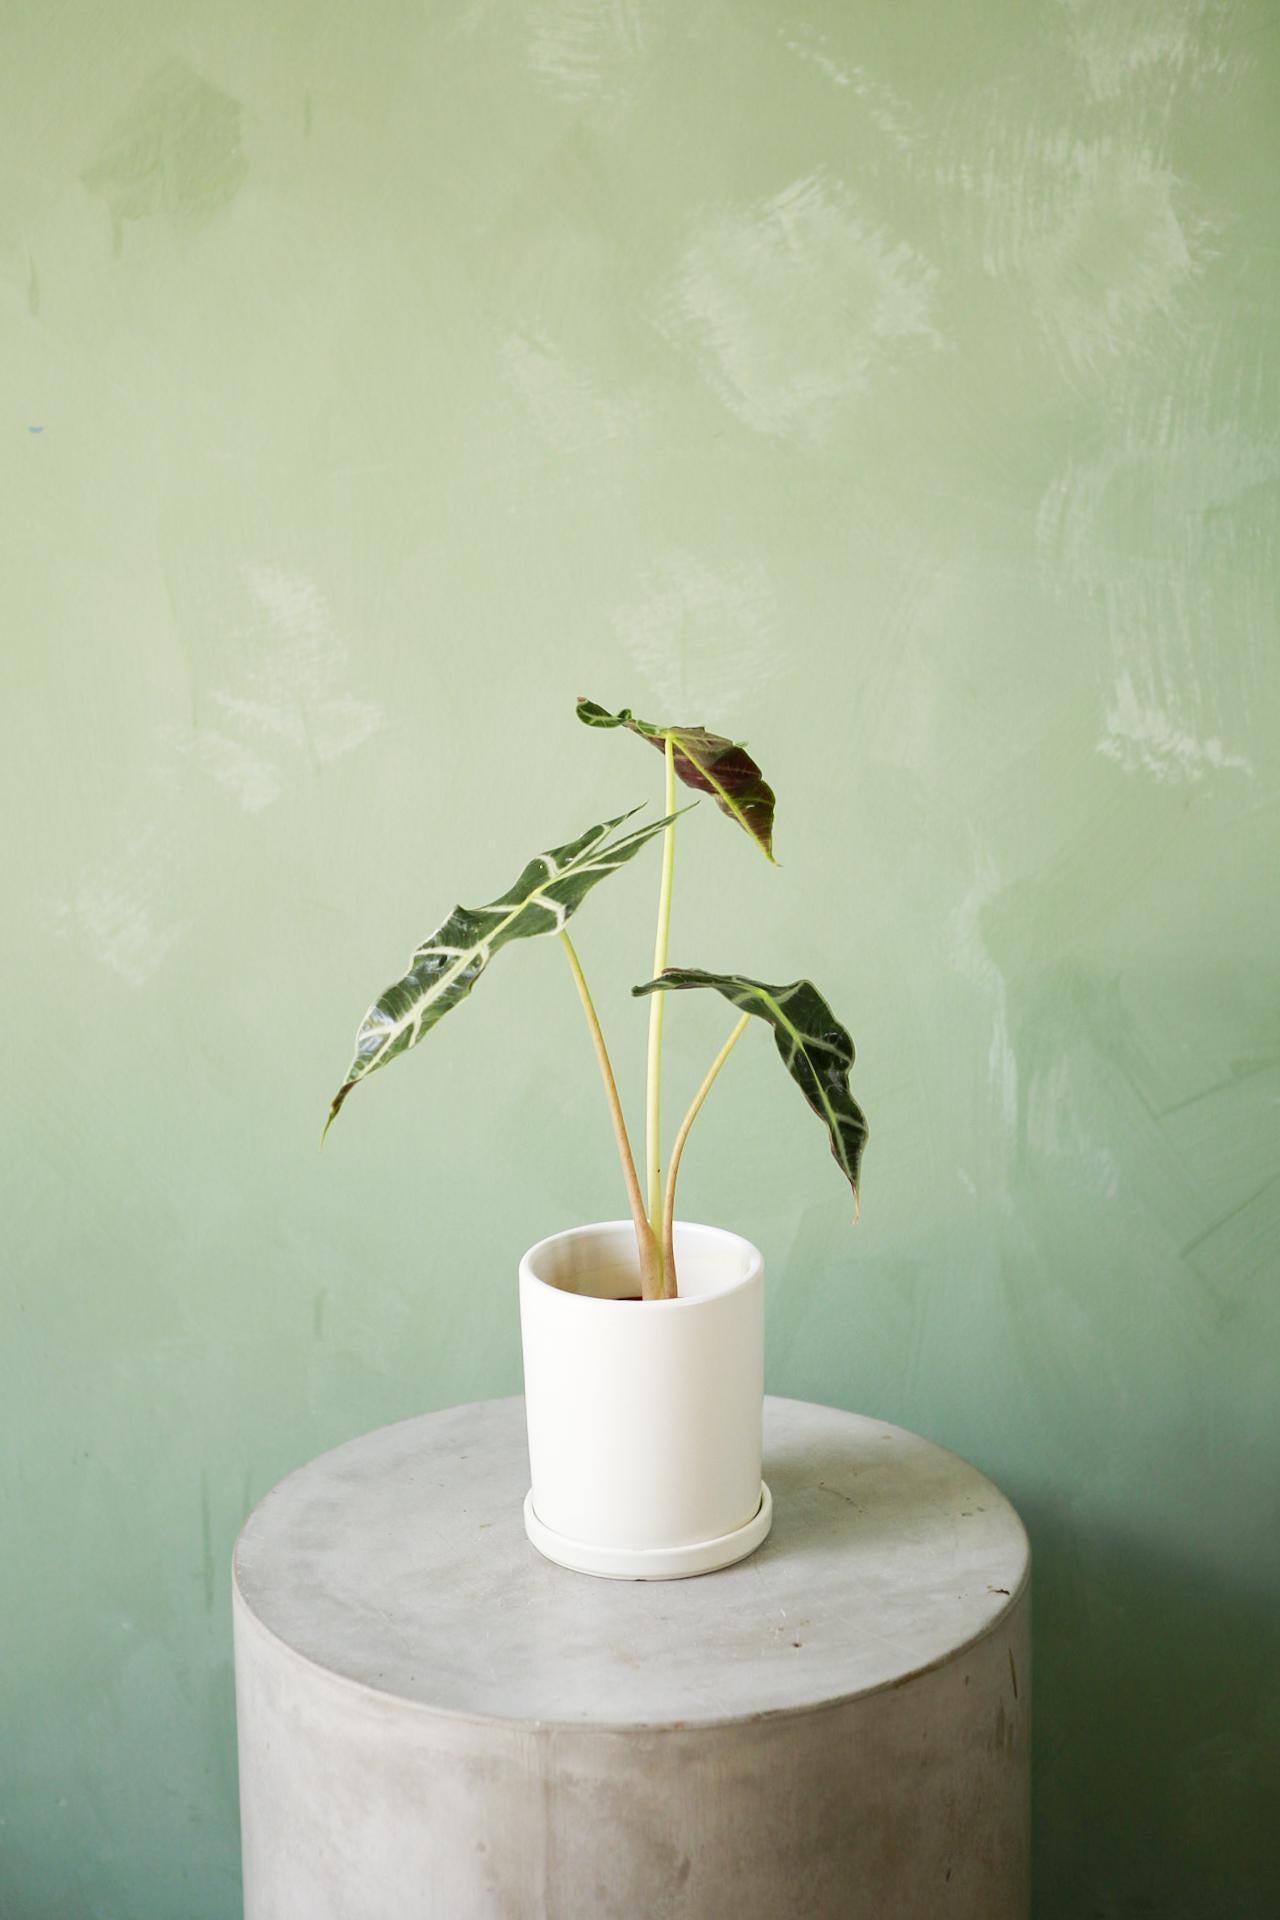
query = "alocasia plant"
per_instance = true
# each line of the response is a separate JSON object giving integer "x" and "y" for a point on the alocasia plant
{"x": 815, "y": 1049}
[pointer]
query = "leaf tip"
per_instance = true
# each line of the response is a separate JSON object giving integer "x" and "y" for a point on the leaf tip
{"x": 338, "y": 1099}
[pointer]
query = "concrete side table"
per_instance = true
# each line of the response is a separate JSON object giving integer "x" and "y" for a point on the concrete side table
{"x": 437, "y": 1724}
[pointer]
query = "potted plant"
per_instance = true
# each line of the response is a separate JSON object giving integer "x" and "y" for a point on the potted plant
{"x": 643, "y": 1339}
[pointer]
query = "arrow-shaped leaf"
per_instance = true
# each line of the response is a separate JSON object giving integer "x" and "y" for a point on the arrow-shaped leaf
{"x": 446, "y": 966}
{"x": 707, "y": 761}
{"x": 816, "y": 1050}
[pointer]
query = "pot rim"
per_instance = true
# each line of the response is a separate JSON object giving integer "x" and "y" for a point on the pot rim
{"x": 590, "y": 1301}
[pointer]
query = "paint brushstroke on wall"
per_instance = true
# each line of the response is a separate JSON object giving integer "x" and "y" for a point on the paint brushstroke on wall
{"x": 890, "y": 116}
{"x": 567, "y": 407}
{"x": 703, "y": 640}
{"x": 289, "y": 698}
{"x": 176, "y": 154}
{"x": 1096, "y": 226}
{"x": 797, "y": 303}
{"x": 1147, "y": 739}
{"x": 1148, "y": 529}
{"x": 119, "y": 912}
{"x": 1150, "y": 46}
{"x": 585, "y": 50}
{"x": 970, "y": 956}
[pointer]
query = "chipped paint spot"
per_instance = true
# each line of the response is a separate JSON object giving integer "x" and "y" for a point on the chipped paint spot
{"x": 796, "y": 304}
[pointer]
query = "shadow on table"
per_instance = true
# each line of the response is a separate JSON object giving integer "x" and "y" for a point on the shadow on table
{"x": 1156, "y": 1762}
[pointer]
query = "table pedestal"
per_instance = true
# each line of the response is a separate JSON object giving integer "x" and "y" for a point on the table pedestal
{"x": 437, "y": 1724}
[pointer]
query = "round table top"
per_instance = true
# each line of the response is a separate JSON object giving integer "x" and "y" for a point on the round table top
{"x": 399, "y": 1562}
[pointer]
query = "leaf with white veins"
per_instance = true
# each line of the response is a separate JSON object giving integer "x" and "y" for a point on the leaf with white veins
{"x": 447, "y": 965}
{"x": 815, "y": 1049}
{"x": 708, "y": 762}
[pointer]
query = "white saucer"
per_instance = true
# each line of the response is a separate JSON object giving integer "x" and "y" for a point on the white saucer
{"x": 651, "y": 1563}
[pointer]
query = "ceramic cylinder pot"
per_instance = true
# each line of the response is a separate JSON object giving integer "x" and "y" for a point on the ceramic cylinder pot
{"x": 644, "y": 1415}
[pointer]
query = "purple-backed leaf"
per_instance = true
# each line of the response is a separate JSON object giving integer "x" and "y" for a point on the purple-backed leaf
{"x": 815, "y": 1049}
{"x": 708, "y": 762}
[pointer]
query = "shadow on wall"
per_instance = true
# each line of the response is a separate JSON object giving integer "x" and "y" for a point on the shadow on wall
{"x": 1157, "y": 1697}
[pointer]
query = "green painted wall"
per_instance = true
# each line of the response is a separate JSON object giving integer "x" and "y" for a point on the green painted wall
{"x": 894, "y": 386}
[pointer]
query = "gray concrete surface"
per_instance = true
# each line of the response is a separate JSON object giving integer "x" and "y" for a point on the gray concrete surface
{"x": 437, "y": 1724}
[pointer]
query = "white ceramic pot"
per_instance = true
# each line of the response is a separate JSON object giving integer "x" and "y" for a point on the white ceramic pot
{"x": 644, "y": 1416}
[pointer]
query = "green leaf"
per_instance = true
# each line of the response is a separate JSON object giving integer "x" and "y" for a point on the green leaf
{"x": 446, "y": 966}
{"x": 707, "y": 761}
{"x": 816, "y": 1050}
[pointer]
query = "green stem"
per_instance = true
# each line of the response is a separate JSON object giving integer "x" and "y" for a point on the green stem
{"x": 653, "y": 1077}
{"x": 669, "y": 1210}
{"x": 646, "y": 1241}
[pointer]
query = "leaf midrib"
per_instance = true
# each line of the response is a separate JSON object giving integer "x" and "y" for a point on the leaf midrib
{"x": 721, "y": 794}
{"x": 467, "y": 954}
{"x": 578, "y": 864}
{"x": 833, "y": 1118}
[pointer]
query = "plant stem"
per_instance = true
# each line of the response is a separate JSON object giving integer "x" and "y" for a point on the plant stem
{"x": 646, "y": 1242}
{"x": 669, "y": 1210}
{"x": 657, "y": 1002}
